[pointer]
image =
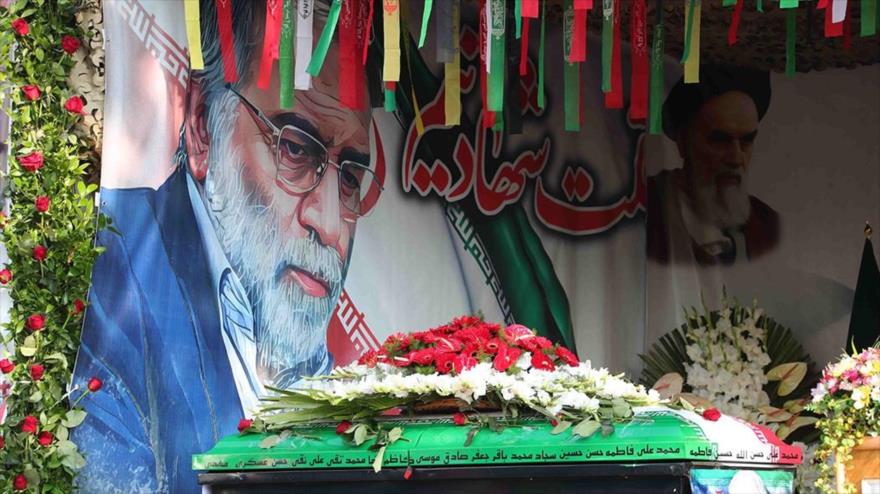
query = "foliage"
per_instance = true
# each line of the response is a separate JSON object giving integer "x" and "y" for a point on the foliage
{"x": 49, "y": 239}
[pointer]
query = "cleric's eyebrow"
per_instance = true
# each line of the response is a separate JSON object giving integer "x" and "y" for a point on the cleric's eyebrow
{"x": 298, "y": 121}
{"x": 352, "y": 154}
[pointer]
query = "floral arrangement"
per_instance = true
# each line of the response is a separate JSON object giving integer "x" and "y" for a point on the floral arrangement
{"x": 848, "y": 399}
{"x": 475, "y": 364}
{"x": 48, "y": 231}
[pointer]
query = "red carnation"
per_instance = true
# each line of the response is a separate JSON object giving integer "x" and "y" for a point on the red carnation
{"x": 21, "y": 27}
{"x": 369, "y": 359}
{"x": 343, "y": 427}
{"x": 37, "y": 372}
{"x": 459, "y": 418}
{"x": 29, "y": 425}
{"x": 95, "y": 384}
{"x": 36, "y": 322}
{"x": 443, "y": 362}
{"x": 40, "y": 253}
{"x": 711, "y": 414}
{"x": 541, "y": 361}
{"x": 69, "y": 44}
{"x": 31, "y": 92}
{"x": 74, "y": 104}
{"x": 78, "y": 306}
{"x": 45, "y": 438}
{"x": 567, "y": 356}
{"x": 20, "y": 483}
{"x": 41, "y": 203}
{"x": 506, "y": 357}
{"x": 5, "y": 276}
{"x": 31, "y": 162}
{"x": 244, "y": 424}
{"x": 6, "y": 366}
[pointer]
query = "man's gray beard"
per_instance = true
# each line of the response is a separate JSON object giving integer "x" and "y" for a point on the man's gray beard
{"x": 290, "y": 325}
{"x": 726, "y": 207}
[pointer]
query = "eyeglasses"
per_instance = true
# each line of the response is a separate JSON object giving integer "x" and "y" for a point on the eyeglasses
{"x": 301, "y": 161}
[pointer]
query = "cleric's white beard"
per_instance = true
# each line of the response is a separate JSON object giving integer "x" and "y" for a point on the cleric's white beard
{"x": 290, "y": 325}
{"x": 726, "y": 207}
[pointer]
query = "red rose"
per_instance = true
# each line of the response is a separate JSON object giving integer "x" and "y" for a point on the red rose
{"x": 459, "y": 418}
{"x": 31, "y": 162}
{"x": 41, "y": 203}
{"x": 20, "y": 483}
{"x": 343, "y": 427}
{"x": 711, "y": 414}
{"x": 567, "y": 356}
{"x": 74, "y": 104}
{"x": 6, "y": 366}
{"x": 244, "y": 424}
{"x": 443, "y": 362}
{"x": 31, "y": 92}
{"x": 36, "y": 322}
{"x": 40, "y": 253}
{"x": 45, "y": 438}
{"x": 95, "y": 384}
{"x": 505, "y": 357}
{"x": 69, "y": 44}
{"x": 37, "y": 372}
{"x": 21, "y": 27}
{"x": 554, "y": 422}
{"x": 78, "y": 306}
{"x": 5, "y": 276}
{"x": 462, "y": 363}
{"x": 541, "y": 361}
{"x": 29, "y": 425}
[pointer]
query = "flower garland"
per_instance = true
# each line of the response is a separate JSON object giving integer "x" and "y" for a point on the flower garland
{"x": 848, "y": 398}
{"x": 48, "y": 235}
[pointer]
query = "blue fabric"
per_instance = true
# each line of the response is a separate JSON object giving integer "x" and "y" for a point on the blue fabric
{"x": 152, "y": 334}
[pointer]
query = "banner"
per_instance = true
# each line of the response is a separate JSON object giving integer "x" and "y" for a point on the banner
{"x": 258, "y": 245}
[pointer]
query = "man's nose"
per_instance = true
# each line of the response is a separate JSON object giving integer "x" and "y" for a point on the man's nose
{"x": 736, "y": 157}
{"x": 319, "y": 210}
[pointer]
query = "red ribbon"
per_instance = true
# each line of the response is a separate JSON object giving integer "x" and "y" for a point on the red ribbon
{"x": 847, "y": 32}
{"x": 530, "y": 9}
{"x": 270, "y": 42}
{"x": 351, "y": 71}
{"x": 579, "y": 37}
{"x": 488, "y": 116}
{"x": 832, "y": 30}
{"x": 367, "y": 32}
{"x": 638, "y": 88}
{"x": 227, "y": 45}
{"x": 524, "y": 47}
{"x": 734, "y": 23}
{"x": 614, "y": 98}
{"x": 583, "y": 4}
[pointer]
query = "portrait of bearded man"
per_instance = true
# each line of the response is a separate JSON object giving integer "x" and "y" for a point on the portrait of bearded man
{"x": 221, "y": 281}
{"x": 702, "y": 212}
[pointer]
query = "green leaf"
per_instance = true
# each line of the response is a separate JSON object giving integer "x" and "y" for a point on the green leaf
{"x": 28, "y": 351}
{"x": 35, "y": 396}
{"x": 471, "y": 434}
{"x": 73, "y": 418}
{"x": 360, "y": 434}
{"x": 586, "y": 428}
{"x": 394, "y": 434}
{"x": 377, "y": 463}
{"x": 74, "y": 461}
{"x": 561, "y": 427}
{"x": 270, "y": 441}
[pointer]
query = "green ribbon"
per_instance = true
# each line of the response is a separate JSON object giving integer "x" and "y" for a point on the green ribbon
{"x": 541, "y": 101}
{"x": 390, "y": 100}
{"x": 320, "y": 52}
{"x": 499, "y": 60}
{"x": 790, "y": 36}
{"x": 869, "y": 18}
{"x": 517, "y": 16}
{"x": 571, "y": 73}
{"x": 729, "y": 3}
{"x": 788, "y": 4}
{"x": 426, "y": 16}
{"x": 498, "y": 126}
{"x": 607, "y": 43}
{"x": 285, "y": 54}
{"x": 689, "y": 30}
{"x": 655, "y": 121}
{"x": 760, "y": 5}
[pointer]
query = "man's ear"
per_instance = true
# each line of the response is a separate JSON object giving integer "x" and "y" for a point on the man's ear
{"x": 195, "y": 130}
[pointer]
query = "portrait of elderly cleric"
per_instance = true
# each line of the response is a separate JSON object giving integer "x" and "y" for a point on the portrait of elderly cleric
{"x": 222, "y": 281}
{"x": 702, "y": 212}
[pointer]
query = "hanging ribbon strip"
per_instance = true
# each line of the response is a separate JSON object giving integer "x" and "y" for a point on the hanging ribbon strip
{"x": 443, "y": 27}
{"x": 324, "y": 41}
{"x": 390, "y": 96}
{"x": 614, "y": 97}
{"x": 869, "y": 18}
{"x": 607, "y": 42}
{"x": 734, "y": 23}
{"x": 692, "y": 63}
{"x": 285, "y": 55}
{"x": 788, "y": 4}
{"x": 369, "y": 28}
{"x": 270, "y": 43}
{"x": 452, "y": 73}
{"x": 578, "y": 52}
{"x": 689, "y": 29}
{"x": 847, "y": 32}
{"x": 571, "y": 72}
{"x": 517, "y": 17}
{"x": 541, "y": 101}
{"x": 832, "y": 29}
{"x": 655, "y": 120}
{"x": 426, "y": 16}
{"x": 638, "y": 96}
{"x": 352, "y": 29}
{"x": 530, "y": 9}
{"x": 499, "y": 60}
{"x": 407, "y": 51}
{"x": 391, "y": 28}
{"x": 524, "y": 48}
{"x": 487, "y": 49}
{"x": 193, "y": 34}
{"x": 227, "y": 48}
{"x": 838, "y": 10}
{"x": 304, "y": 19}
{"x": 760, "y": 6}
{"x": 790, "y": 32}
